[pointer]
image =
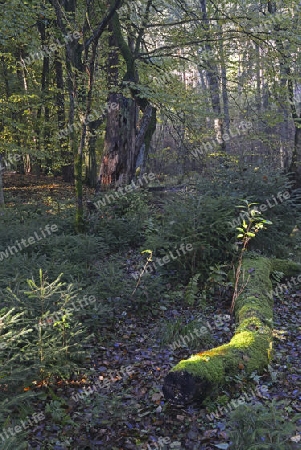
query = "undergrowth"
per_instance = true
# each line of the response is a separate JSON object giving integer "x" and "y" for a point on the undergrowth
{"x": 45, "y": 277}
{"x": 259, "y": 427}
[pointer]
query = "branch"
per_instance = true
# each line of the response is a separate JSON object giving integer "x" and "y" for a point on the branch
{"x": 143, "y": 26}
{"x": 59, "y": 16}
{"x": 103, "y": 24}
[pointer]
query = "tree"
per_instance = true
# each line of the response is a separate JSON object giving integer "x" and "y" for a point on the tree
{"x": 127, "y": 138}
{"x": 76, "y": 67}
{"x": 1, "y": 185}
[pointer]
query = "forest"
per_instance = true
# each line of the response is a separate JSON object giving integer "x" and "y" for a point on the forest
{"x": 150, "y": 216}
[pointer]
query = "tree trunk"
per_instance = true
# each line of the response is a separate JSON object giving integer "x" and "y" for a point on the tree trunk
{"x": 147, "y": 127}
{"x": 213, "y": 82}
{"x": 67, "y": 167}
{"x": 2, "y": 204}
{"x": 284, "y": 61}
{"x": 249, "y": 349}
{"x": 296, "y": 158}
{"x": 225, "y": 97}
{"x": 119, "y": 145}
{"x": 76, "y": 90}
{"x": 91, "y": 162}
{"x": 43, "y": 137}
{"x": 127, "y": 142}
{"x": 295, "y": 167}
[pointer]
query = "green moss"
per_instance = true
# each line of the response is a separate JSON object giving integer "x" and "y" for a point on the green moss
{"x": 250, "y": 346}
{"x": 204, "y": 366}
{"x": 256, "y": 276}
{"x": 257, "y": 309}
{"x": 289, "y": 268}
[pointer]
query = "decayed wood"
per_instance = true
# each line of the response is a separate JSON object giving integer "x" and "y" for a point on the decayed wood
{"x": 249, "y": 349}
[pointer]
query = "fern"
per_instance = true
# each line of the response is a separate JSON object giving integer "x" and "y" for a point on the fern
{"x": 192, "y": 290}
{"x": 259, "y": 427}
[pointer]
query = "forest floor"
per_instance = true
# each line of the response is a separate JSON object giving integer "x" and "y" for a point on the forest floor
{"x": 133, "y": 352}
{"x": 132, "y": 409}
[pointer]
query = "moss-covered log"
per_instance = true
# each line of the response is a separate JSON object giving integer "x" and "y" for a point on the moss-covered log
{"x": 249, "y": 349}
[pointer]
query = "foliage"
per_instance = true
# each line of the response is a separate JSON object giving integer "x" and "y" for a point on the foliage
{"x": 62, "y": 251}
{"x": 197, "y": 219}
{"x": 263, "y": 187}
{"x": 247, "y": 231}
{"x": 192, "y": 289}
{"x": 121, "y": 222}
{"x": 46, "y": 344}
{"x": 218, "y": 280}
{"x": 172, "y": 331}
{"x": 261, "y": 427}
{"x": 36, "y": 346}
{"x": 175, "y": 53}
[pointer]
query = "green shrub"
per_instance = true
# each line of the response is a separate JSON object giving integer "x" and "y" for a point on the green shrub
{"x": 121, "y": 222}
{"x": 178, "y": 334}
{"x": 41, "y": 338}
{"x": 262, "y": 186}
{"x": 262, "y": 427}
{"x": 199, "y": 220}
{"x": 41, "y": 334}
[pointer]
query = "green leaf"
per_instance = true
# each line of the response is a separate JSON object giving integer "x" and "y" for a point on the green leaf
{"x": 222, "y": 446}
{"x": 147, "y": 251}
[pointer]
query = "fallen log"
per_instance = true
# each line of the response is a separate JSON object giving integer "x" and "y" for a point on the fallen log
{"x": 249, "y": 349}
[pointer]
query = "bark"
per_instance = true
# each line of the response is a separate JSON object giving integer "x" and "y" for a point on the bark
{"x": 109, "y": 171}
{"x": 73, "y": 68}
{"x": 225, "y": 95}
{"x": 284, "y": 126}
{"x": 127, "y": 141}
{"x": 60, "y": 99}
{"x": 146, "y": 130}
{"x": 295, "y": 167}
{"x": 2, "y": 166}
{"x": 91, "y": 161}
{"x": 43, "y": 134}
{"x": 119, "y": 146}
{"x": 249, "y": 349}
{"x": 67, "y": 168}
{"x": 285, "y": 61}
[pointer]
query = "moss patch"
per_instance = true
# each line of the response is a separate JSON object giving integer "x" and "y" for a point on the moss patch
{"x": 249, "y": 349}
{"x": 251, "y": 346}
{"x": 289, "y": 268}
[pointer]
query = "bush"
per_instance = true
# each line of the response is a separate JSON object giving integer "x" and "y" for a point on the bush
{"x": 41, "y": 338}
{"x": 262, "y": 427}
{"x": 199, "y": 220}
{"x": 263, "y": 187}
{"x": 121, "y": 222}
{"x": 41, "y": 332}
